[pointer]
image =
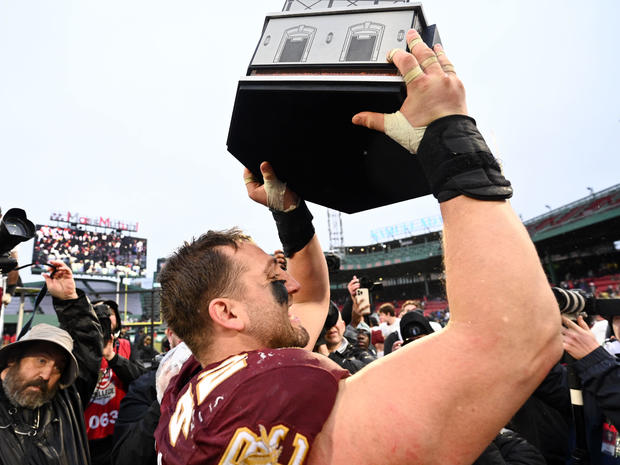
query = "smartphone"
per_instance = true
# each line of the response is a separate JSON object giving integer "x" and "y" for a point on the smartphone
{"x": 362, "y": 297}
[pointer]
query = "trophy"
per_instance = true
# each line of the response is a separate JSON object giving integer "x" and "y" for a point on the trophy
{"x": 313, "y": 69}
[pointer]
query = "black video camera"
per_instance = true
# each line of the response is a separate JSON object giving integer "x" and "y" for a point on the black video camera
{"x": 573, "y": 302}
{"x": 14, "y": 228}
{"x": 103, "y": 313}
{"x": 372, "y": 286}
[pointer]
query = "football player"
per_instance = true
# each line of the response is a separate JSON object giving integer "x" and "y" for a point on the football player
{"x": 251, "y": 394}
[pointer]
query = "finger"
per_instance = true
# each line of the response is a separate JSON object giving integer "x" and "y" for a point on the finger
{"x": 446, "y": 65}
{"x": 267, "y": 171}
{"x": 252, "y": 187}
{"x": 425, "y": 56}
{"x": 406, "y": 64}
{"x": 58, "y": 264}
{"x": 581, "y": 322}
{"x": 568, "y": 323}
{"x": 370, "y": 119}
{"x": 414, "y": 40}
{"x": 251, "y": 182}
{"x": 248, "y": 177}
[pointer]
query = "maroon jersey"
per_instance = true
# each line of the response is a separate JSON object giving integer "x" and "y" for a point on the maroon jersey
{"x": 263, "y": 406}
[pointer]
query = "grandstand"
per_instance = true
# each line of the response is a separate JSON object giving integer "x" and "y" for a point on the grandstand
{"x": 141, "y": 304}
{"x": 577, "y": 243}
{"x": 581, "y": 240}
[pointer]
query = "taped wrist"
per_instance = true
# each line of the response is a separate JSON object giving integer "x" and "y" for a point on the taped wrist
{"x": 457, "y": 161}
{"x": 398, "y": 128}
{"x": 295, "y": 228}
{"x": 275, "y": 190}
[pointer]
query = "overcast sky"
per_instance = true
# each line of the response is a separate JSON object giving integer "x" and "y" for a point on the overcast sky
{"x": 121, "y": 109}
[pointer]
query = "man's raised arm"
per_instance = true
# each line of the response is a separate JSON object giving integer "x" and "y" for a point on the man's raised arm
{"x": 77, "y": 317}
{"x": 306, "y": 260}
{"x": 459, "y": 387}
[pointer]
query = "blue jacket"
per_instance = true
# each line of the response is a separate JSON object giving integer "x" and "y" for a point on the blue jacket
{"x": 599, "y": 372}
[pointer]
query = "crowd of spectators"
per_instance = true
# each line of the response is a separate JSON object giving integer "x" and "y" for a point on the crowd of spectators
{"x": 91, "y": 252}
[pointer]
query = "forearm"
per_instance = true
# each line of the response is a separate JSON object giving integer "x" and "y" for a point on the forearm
{"x": 494, "y": 279}
{"x": 77, "y": 317}
{"x": 309, "y": 268}
{"x": 311, "y": 302}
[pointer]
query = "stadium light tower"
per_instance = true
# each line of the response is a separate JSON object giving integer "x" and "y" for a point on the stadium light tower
{"x": 334, "y": 226}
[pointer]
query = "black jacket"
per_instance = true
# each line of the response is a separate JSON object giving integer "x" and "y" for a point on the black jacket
{"x": 599, "y": 372}
{"x": 61, "y": 436}
{"x": 510, "y": 449}
{"x": 545, "y": 419}
{"x": 352, "y": 358}
{"x": 134, "y": 441}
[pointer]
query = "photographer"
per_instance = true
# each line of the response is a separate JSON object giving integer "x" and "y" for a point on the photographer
{"x": 116, "y": 373}
{"x": 599, "y": 372}
{"x": 47, "y": 377}
{"x": 354, "y": 313}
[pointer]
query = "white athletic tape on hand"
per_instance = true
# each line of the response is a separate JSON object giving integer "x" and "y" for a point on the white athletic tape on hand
{"x": 275, "y": 189}
{"x": 398, "y": 128}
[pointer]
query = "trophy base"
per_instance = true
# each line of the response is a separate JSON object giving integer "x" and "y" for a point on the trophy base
{"x": 302, "y": 126}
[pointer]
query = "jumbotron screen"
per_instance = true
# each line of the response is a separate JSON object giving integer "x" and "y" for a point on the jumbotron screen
{"x": 89, "y": 252}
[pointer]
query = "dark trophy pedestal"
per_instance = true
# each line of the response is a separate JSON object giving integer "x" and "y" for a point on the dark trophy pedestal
{"x": 310, "y": 74}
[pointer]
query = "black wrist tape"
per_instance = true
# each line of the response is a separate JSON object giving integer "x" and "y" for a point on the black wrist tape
{"x": 294, "y": 228}
{"x": 457, "y": 161}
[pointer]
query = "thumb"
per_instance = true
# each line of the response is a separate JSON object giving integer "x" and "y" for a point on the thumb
{"x": 370, "y": 119}
{"x": 267, "y": 170}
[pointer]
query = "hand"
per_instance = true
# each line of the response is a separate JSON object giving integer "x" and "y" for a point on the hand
{"x": 281, "y": 258}
{"x": 434, "y": 93}
{"x": 397, "y": 345}
{"x": 6, "y": 298}
{"x": 361, "y": 309}
{"x": 60, "y": 282}
{"x": 579, "y": 341}
{"x": 108, "y": 350}
{"x": 353, "y": 286}
{"x": 322, "y": 349}
{"x": 273, "y": 193}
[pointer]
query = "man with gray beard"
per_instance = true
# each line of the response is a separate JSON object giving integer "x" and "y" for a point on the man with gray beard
{"x": 47, "y": 377}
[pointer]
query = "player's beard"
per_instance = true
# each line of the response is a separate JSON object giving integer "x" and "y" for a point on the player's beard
{"x": 15, "y": 388}
{"x": 274, "y": 328}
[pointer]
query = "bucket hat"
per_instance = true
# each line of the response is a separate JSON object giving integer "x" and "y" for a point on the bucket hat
{"x": 45, "y": 333}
